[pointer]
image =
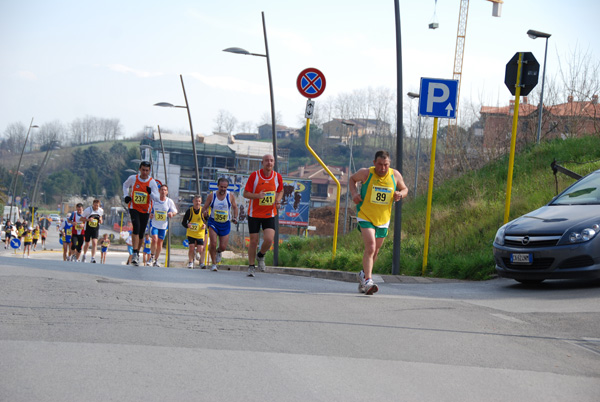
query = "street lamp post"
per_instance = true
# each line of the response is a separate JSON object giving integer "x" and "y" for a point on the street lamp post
{"x": 238, "y": 50}
{"x": 14, "y": 190}
{"x": 534, "y": 35}
{"x": 168, "y": 259}
{"x": 414, "y": 95}
{"x": 187, "y": 106}
{"x": 37, "y": 180}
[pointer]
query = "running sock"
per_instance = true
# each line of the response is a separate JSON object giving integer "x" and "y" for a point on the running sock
{"x": 260, "y": 255}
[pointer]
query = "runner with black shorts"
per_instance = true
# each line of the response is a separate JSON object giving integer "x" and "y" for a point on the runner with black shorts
{"x": 264, "y": 188}
{"x": 192, "y": 220}
{"x": 78, "y": 230}
{"x": 93, "y": 219}
{"x": 139, "y": 191}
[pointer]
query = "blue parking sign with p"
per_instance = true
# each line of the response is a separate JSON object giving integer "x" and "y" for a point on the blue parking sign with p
{"x": 438, "y": 98}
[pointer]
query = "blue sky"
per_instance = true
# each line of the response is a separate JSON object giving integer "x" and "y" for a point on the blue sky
{"x": 66, "y": 59}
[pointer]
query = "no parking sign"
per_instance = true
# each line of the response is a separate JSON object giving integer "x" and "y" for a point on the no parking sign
{"x": 311, "y": 83}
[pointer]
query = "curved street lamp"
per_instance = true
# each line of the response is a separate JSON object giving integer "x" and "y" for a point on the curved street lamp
{"x": 187, "y": 106}
{"x": 14, "y": 190}
{"x": 238, "y": 50}
{"x": 533, "y": 34}
{"x": 51, "y": 147}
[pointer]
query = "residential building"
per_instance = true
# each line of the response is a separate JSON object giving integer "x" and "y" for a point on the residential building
{"x": 337, "y": 130}
{"x": 324, "y": 188}
{"x": 569, "y": 119}
{"x": 265, "y": 132}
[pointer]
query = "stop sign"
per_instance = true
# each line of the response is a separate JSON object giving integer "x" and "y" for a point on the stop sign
{"x": 529, "y": 73}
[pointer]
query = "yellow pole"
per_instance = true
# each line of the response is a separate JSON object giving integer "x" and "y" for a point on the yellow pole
{"x": 167, "y": 250}
{"x": 206, "y": 240}
{"x": 430, "y": 193}
{"x": 337, "y": 200}
{"x": 121, "y": 223}
{"x": 513, "y": 140}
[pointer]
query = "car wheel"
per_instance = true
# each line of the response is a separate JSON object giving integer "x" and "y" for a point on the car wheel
{"x": 530, "y": 281}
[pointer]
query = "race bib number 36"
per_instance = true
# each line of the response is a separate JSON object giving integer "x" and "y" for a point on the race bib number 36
{"x": 382, "y": 195}
{"x": 268, "y": 199}
{"x": 140, "y": 197}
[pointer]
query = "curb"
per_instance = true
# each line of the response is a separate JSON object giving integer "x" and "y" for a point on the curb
{"x": 342, "y": 276}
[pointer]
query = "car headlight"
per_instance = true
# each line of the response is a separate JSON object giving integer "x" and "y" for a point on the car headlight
{"x": 584, "y": 235}
{"x": 499, "y": 239}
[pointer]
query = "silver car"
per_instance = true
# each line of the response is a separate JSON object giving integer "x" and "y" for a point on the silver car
{"x": 557, "y": 241}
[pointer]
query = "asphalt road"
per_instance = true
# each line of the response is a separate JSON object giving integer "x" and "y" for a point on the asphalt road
{"x": 92, "y": 332}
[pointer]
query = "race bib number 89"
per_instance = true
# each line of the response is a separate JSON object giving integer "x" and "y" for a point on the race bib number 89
{"x": 140, "y": 197}
{"x": 268, "y": 199}
{"x": 382, "y": 195}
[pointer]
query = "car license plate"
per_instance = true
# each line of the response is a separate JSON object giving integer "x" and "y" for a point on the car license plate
{"x": 521, "y": 258}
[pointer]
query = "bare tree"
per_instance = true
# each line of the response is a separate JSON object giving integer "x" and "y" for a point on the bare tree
{"x": 50, "y": 133}
{"x": 247, "y": 127}
{"x": 14, "y": 136}
{"x": 224, "y": 122}
{"x": 580, "y": 78}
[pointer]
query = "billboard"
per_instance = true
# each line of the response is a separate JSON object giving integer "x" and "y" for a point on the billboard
{"x": 294, "y": 207}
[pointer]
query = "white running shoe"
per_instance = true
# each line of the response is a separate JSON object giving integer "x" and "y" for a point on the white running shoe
{"x": 202, "y": 266}
{"x": 261, "y": 263}
{"x": 83, "y": 258}
{"x": 198, "y": 256}
{"x": 218, "y": 257}
{"x": 251, "y": 270}
{"x": 190, "y": 265}
{"x": 156, "y": 263}
{"x": 370, "y": 287}
{"x": 135, "y": 260}
{"x": 361, "y": 281}
{"x": 93, "y": 260}
{"x": 214, "y": 268}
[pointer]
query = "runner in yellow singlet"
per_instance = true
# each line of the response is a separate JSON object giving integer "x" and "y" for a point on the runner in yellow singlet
{"x": 381, "y": 186}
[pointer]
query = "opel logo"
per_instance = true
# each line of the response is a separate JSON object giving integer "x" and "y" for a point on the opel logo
{"x": 525, "y": 240}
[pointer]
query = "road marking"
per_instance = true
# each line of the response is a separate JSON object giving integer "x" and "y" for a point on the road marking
{"x": 509, "y": 318}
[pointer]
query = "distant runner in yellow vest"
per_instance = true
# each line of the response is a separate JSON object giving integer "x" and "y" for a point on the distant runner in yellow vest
{"x": 381, "y": 186}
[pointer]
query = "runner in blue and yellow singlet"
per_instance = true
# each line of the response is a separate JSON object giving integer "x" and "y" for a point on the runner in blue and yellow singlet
{"x": 381, "y": 186}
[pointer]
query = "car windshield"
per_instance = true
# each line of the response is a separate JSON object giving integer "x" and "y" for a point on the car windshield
{"x": 584, "y": 192}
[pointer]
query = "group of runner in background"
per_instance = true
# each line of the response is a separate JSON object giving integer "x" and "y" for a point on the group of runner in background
{"x": 28, "y": 236}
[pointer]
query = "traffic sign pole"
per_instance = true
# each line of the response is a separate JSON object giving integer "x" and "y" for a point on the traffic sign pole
{"x": 311, "y": 84}
{"x": 438, "y": 100}
{"x": 513, "y": 140}
{"x": 429, "y": 194}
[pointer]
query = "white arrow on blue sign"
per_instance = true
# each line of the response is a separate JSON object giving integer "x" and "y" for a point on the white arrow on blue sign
{"x": 438, "y": 98}
{"x": 212, "y": 186}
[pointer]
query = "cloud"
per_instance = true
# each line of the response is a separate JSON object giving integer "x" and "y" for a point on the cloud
{"x": 28, "y": 75}
{"x": 128, "y": 70}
